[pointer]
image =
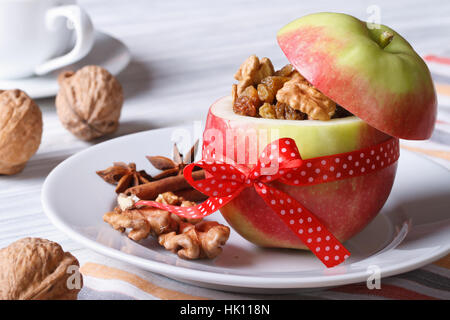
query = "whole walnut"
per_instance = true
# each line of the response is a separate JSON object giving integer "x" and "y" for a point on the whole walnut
{"x": 20, "y": 130}
{"x": 38, "y": 269}
{"x": 89, "y": 102}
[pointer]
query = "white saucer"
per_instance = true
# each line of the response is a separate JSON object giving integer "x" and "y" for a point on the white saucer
{"x": 108, "y": 52}
{"x": 413, "y": 228}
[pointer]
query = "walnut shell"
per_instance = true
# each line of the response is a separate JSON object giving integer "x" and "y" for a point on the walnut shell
{"x": 89, "y": 102}
{"x": 37, "y": 269}
{"x": 20, "y": 130}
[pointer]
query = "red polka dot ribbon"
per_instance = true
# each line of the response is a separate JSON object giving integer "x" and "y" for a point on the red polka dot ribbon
{"x": 281, "y": 161}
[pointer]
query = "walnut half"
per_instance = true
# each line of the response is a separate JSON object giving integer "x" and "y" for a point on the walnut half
{"x": 300, "y": 95}
{"x": 189, "y": 238}
{"x": 146, "y": 221}
{"x": 252, "y": 71}
{"x": 38, "y": 269}
{"x": 203, "y": 240}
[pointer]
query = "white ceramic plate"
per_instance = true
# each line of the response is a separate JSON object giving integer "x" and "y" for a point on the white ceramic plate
{"x": 413, "y": 228}
{"x": 108, "y": 52}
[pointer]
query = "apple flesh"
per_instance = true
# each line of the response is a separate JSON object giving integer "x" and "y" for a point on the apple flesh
{"x": 373, "y": 73}
{"x": 345, "y": 207}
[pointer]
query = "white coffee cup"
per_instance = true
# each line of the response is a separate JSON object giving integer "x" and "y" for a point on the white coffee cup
{"x": 35, "y": 34}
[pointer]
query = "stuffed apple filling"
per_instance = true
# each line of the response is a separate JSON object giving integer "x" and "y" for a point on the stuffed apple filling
{"x": 283, "y": 94}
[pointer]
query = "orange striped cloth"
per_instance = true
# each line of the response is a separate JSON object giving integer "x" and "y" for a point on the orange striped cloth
{"x": 102, "y": 281}
{"x": 429, "y": 283}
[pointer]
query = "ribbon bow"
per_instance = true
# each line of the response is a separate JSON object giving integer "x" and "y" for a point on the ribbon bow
{"x": 281, "y": 161}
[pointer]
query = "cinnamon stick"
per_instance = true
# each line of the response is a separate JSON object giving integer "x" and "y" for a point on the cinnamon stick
{"x": 191, "y": 194}
{"x": 149, "y": 191}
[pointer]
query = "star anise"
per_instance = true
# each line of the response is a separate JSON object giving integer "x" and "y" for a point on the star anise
{"x": 124, "y": 176}
{"x": 175, "y": 166}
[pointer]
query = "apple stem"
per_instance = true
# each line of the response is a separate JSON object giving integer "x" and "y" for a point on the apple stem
{"x": 385, "y": 38}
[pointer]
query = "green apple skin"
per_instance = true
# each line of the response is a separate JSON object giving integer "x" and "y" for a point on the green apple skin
{"x": 390, "y": 88}
{"x": 345, "y": 206}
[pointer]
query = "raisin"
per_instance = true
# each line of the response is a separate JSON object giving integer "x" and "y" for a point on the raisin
{"x": 267, "y": 111}
{"x": 248, "y": 103}
{"x": 283, "y": 111}
{"x": 341, "y": 113}
{"x": 269, "y": 86}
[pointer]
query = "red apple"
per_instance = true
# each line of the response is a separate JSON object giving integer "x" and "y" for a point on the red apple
{"x": 345, "y": 207}
{"x": 373, "y": 73}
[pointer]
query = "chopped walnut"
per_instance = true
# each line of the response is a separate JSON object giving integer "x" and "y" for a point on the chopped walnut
{"x": 301, "y": 95}
{"x": 203, "y": 240}
{"x": 283, "y": 94}
{"x": 147, "y": 221}
{"x": 252, "y": 71}
{"x": 132, "y": 218}
{"x": 126, "y": 202}
{"x": 190, "y": 238}
{"x": 286, "y": 71}
{"x": 168, "y": 198}
{"x": 160, "y": 221}
{"x": 171, "y": 198}
{"x": 142, "y": 222}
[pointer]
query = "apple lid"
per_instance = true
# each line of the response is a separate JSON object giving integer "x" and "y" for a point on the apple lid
{"x": 372, "y": 72}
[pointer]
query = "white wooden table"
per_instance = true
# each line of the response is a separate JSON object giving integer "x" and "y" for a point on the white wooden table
{"x": 184, "y": 55}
